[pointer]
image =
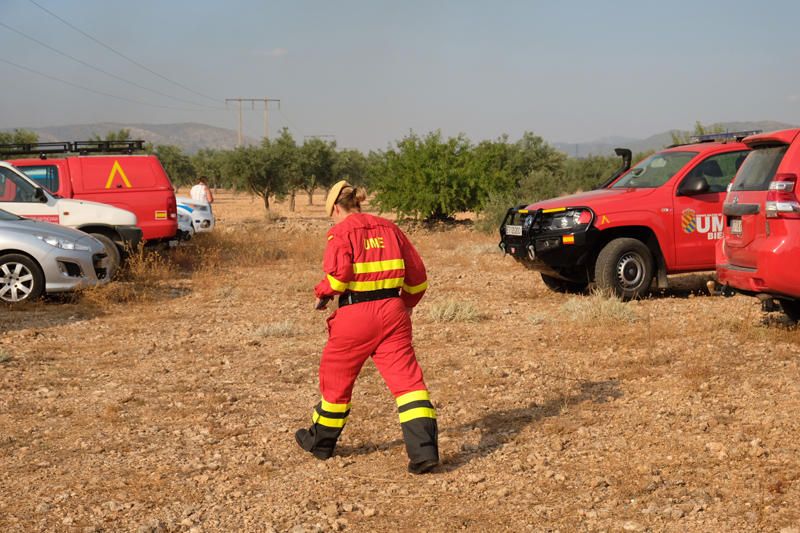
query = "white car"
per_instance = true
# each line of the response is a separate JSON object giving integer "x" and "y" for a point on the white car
{"x": 200, "y": 212}
{"x": 114, "y": 227}
{"x": 185, "y": 227}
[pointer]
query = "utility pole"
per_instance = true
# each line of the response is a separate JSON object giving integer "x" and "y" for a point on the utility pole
{"x": 253, "y": 105}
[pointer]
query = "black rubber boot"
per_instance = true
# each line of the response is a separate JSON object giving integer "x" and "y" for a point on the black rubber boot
{"x": 423, "y": 467}
{"x": 421, "y": 438}
{"x": 305, "y": 440}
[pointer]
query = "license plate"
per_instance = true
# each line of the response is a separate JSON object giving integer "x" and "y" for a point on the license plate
{"x": 736, "y": 226}
{"x": 514, "y": 230}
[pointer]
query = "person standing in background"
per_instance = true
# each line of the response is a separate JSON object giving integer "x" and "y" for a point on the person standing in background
{"x": 200, "y": 192}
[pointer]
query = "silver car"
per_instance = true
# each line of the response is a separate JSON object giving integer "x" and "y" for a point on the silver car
{"x": 39, "y": 257}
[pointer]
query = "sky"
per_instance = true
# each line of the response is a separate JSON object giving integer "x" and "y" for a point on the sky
{"x": 369, "y": 72}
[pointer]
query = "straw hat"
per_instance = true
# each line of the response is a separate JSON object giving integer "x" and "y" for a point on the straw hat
{"x": 333, "y": 195}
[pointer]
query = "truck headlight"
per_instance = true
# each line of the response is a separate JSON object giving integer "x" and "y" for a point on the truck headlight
{"x": 64, "y": 244}
{"x": 568, "y": 220}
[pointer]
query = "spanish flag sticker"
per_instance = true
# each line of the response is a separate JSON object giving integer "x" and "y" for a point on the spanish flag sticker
{"x": 161, "y": 215}
{"x": 568, "y": 239}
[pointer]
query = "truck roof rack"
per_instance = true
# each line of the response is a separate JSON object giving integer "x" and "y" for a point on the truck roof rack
{"x": 726, "y": 136}
{"x": 71, "y": 147}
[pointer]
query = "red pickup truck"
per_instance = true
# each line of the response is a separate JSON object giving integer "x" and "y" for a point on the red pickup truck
{"x": 662, "y": 216}
{"x": 112, "y": 174}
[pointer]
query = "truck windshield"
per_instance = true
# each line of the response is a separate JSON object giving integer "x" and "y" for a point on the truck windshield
{"x": 654, "y": 171}
{"x": 759, "y": 168}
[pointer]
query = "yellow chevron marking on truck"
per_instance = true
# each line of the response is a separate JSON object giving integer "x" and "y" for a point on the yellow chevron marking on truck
{"x": 117, "y": 168}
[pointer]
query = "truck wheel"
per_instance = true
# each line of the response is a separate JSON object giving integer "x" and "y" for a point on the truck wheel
{"x": 792, "y": 309}
{"x": 560, "y": 285}
{"x": 20, "y": 279}
{"x": 112, "y": 251}
{"x": 625, "y": 266}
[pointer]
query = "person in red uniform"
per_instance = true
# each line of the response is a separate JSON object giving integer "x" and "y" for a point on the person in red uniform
{"x": 379, "y": 277}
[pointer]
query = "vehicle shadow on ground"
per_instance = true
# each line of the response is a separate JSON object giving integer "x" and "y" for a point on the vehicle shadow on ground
{"x": 500, "y": 427}
{"x": 61, "y": 309}
{"x": 50, "y": 311}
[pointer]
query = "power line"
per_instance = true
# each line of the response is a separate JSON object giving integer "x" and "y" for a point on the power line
{"x": 120, "y": 54}
{"x": 289, "y": 122}
{"x": 98, "y": 69}
{"x": 89, "y": 89}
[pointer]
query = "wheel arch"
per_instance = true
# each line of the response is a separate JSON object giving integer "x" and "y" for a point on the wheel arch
{"x": 10, "y": 251}
{"x": 108, "y": 231}
{"x": 644, "y": 234}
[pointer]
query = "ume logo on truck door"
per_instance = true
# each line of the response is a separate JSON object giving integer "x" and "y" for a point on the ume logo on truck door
{"x": 117, "y": 169}
{"x": 709, "y": 224}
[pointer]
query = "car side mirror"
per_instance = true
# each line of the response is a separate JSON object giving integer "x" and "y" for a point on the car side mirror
{"x": 40, "y": 196}
{"x": 693, "y": 185}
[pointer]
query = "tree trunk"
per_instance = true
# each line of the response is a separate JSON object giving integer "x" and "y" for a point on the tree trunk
{"x": 292, "y": 201}
{"x": 265, "y": 196}
{"x": 310, "y": 197}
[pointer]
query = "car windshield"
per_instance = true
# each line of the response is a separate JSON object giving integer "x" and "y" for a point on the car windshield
{"x": 654, "y": 171}
{"x": 759, "y": 168}
{"x": 5, "y": 215}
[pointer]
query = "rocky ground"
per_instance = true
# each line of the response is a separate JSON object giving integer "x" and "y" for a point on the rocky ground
{"x": 169, "y": 402}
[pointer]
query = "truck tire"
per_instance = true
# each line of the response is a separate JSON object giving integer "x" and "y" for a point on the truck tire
{"x": 560, "y": 285}
{"x": 21, "y": 279}
{"x": 792, "y": 309}
{"x": 113, "y": 253}
{"x": 625, "y": 266}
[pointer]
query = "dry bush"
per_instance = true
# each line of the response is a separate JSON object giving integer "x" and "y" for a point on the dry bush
{"x": 228, "y": 248}
{"x": 5, "y": 358}
{"x": 285, "y": 328}
{"x": 451, "y": 310}
{"x": 600, "y": 307}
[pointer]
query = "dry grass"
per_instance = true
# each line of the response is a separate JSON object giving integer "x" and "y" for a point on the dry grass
{"x": 284, "y": 328}
{"x": 600, "y": 307}
{"x": 452, "y": 310}
{"x": 183, "y": 408}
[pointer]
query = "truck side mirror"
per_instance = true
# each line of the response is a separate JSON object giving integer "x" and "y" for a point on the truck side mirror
{"x": 693, "y": 185}
{"x": 40, "y": 196}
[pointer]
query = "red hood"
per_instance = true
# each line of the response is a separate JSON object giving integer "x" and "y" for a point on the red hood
{"x": 604, "y": 200}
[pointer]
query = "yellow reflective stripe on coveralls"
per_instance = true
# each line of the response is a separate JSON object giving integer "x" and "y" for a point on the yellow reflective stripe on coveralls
{"x": 363, "y": 286}
{"x": 419, "y": 412}
{"x": 378, "y": 266}
{"x": 337, "y": 285}
{"x": 330, "y": 422}
{"x": 414, "y": 289}
{"x": 335, "y": 407}
{"x": 414, "y": 396}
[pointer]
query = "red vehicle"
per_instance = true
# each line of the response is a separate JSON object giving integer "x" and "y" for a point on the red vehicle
{"x": 134, "y": 182}
{"x": 761, "y": 242}
{"x": 663, "y": 216}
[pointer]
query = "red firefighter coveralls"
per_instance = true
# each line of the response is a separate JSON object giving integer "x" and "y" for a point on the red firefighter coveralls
{"x": 379, "y": 276}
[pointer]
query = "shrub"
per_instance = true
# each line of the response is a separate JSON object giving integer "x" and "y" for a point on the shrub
{"x": 454, "y": 311}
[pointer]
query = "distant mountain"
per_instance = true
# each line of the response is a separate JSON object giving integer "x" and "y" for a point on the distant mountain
{"x": 190, "y": 136}
{"x": 655, "y": 142}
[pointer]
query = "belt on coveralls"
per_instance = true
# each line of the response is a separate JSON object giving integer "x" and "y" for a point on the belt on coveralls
{"x": 350, "y": 297}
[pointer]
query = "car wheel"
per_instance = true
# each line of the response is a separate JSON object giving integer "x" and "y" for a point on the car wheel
{"x": 792, "y": 309}
{"x": 625, "y": 266}
{"x": 112, "y": 251}
{"x": 21, "y": 279}
{"x": 560, "y": 285}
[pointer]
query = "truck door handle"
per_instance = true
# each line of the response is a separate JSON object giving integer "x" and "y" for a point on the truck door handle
{"x": 665, "y": 210}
